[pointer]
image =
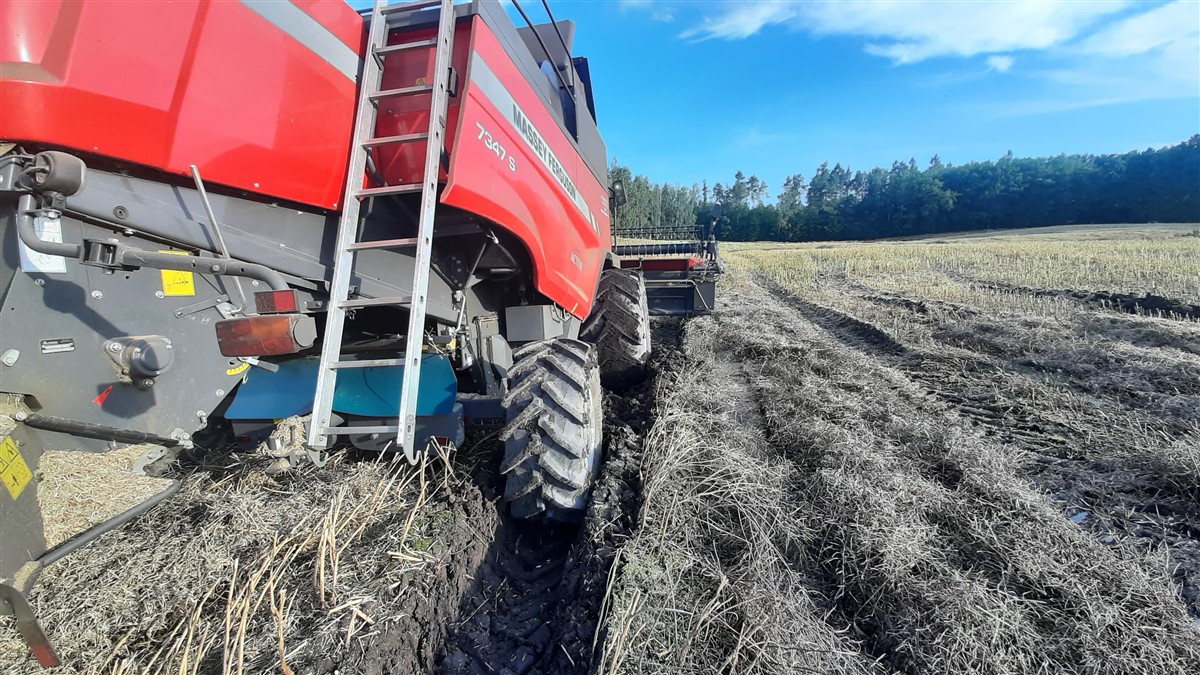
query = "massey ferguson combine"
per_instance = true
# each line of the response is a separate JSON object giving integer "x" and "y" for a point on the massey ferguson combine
{"x": 394, "y": 223}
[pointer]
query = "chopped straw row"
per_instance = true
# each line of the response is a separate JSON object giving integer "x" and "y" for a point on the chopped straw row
{"x": 245, "y": 573}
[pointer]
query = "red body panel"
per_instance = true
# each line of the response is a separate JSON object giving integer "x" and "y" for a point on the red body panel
{"x": 170, "y": 84}
{"x": 405, "y": 163}
{"x": 214, "y": 83}
{"x": 567, "y": 247}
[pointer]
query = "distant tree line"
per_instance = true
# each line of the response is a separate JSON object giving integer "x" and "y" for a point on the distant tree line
{"x": 836, "y": 203}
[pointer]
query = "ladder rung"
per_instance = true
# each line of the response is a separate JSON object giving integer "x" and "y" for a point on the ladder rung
{"x": 393, "y": 301}
{"x": 368, "y": 363}
{"x": 343, "y": 431}
{"x": 382, "y": 243}
{"x": 403, "y": 188}
{"x": 410, "y": 6}
{"x": 404, "y": 46}
{"x": 390, "y": 140}
{"x": 402, "y": 91}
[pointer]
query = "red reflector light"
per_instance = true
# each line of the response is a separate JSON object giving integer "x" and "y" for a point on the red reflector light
{"x": 266, "y": 335}
{"x": 277, "y": 302}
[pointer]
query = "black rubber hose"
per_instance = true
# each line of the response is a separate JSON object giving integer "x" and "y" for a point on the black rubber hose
{"x": 91, "y": 430}
{"x": 28, "y": 233}
{"x": 88, "y": 536}
{"x": 136, "y": 257}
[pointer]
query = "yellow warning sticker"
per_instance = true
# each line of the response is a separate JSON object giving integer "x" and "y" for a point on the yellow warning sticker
{"x": 14, "y": 472}
{"x": 237, "y": 370}
{"x": 175, "y": 282}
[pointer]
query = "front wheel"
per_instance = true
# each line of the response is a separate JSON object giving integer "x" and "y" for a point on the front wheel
{"x": 619, "y": 326}
{"x": 552, "y": 439}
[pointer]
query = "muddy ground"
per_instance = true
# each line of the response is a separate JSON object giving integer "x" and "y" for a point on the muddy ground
{"x": 834, "y": 475}
{"x": 363, "y": 566}
{"x": 857, "y": 480}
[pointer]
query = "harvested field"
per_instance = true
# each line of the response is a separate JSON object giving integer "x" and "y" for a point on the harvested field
{"x": 363, "y": 566}
{"x": 975, "y": 455}
{"x": 80, "y": 490}
{"x": 878, "y": 458}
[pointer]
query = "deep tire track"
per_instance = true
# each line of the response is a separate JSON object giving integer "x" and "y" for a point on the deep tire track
{"x": 535, "y": 601}
{"x": 1107, "y": 498}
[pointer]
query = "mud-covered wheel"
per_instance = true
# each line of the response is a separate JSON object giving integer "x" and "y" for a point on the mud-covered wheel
{"x": 619, "y": 326}
{"x": 552, "y": 438}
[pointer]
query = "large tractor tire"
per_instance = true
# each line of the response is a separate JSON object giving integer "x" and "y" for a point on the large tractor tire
{"x": 619, "y": 326}
{"x": 552, "y": 439}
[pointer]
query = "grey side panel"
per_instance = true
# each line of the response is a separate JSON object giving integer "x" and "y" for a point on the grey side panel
{"x": 590, "y": 145}
{"x": 59, "y": 323}
{"x": 294, "y": 242}
{"x": 561, "y": 58}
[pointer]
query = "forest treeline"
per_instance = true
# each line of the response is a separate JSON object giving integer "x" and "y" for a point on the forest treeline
{"x": 1155, "y": 185}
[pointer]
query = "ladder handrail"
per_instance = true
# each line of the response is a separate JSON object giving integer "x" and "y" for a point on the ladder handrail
{"x": 347, "y": 244}
{"x": 438, "y": 105}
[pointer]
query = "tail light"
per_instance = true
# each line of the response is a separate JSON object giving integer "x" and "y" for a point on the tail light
{"x": 277, "y": 302}
{"x": 266, "y": 335}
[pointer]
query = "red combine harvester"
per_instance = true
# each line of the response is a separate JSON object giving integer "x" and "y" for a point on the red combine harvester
{"x": 394, "y": 223}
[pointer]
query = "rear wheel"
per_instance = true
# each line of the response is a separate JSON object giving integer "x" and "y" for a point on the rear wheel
{"x": 619, "y": 326}
{"x": 552, "y": 439}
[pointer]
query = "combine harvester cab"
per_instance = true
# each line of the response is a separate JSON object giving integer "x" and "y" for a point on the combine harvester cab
{"x": 393, "y": 224}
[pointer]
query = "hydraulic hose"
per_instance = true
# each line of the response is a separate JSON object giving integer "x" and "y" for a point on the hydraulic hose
{"x": 136, "y": 257}
{"x": 28, "y": 233}
{"x": 98, "y": 431}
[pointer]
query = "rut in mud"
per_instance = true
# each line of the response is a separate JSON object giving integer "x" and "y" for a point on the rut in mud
{"x": 364, "y": 566}
{"x": 827, "y": 493}
{"x": 534, "y": 602}
{"x": 1085, "y": 434}
{"x": 1147, "y": 304}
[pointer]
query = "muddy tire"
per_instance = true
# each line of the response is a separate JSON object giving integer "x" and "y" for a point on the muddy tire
{"x": 619, "y": 326}
{"x": 552, "y": 439}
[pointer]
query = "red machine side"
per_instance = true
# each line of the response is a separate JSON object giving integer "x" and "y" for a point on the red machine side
{"x": 223, "y": 85}
{"x": 514, "y": 165}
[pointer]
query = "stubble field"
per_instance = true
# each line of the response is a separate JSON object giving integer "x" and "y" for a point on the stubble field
{"x": 978, "y": 454}
{"x": 973, "y": 454}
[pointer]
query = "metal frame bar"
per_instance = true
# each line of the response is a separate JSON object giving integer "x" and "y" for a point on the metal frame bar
{"x": 347, "y": 245}
{"x": 537, "y": 36}
{"x": 406, "y": 435}
{"x": 343, "y": 262}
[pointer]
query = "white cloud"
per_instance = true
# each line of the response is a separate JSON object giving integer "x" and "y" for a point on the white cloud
{"x": 1141, "y": 33}
{"x": 1074, "y": 53}
{"x": 1000, "y": 63}
{"x": 658, "y": 9}
{"x": 907, "y": 31}
{"x": 742, "y": 19}
{"x": 1152, "y": 55}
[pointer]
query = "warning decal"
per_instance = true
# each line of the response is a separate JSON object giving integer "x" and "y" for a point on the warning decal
{"x": 14, "y": 472}
{"x": 177, "y": 283}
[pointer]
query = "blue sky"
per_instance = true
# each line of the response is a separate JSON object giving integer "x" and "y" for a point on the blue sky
{"x": 694, "y": 90}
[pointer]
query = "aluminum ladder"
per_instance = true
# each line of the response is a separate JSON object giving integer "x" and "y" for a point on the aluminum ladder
{"x": 348, "y": 244}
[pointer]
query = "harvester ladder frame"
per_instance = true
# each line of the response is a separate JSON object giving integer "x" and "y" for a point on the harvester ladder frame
{"x": 348, "y": 244}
